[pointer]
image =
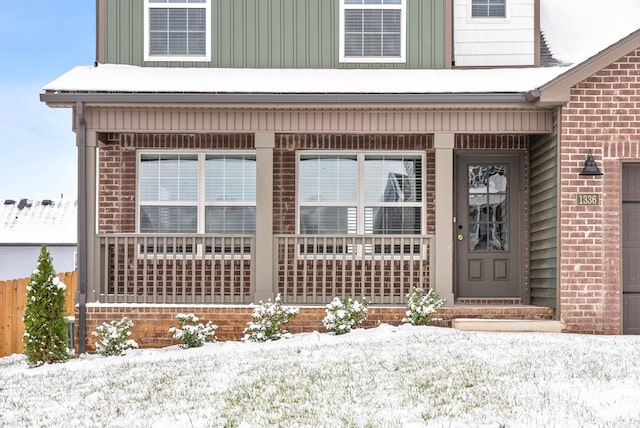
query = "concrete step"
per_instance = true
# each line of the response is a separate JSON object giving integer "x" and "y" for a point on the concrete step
{"x": 514, "y": 325}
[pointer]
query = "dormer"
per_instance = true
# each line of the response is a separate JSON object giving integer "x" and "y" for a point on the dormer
{"x": 496, "y": 33}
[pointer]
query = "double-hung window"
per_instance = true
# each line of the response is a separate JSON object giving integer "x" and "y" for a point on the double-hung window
{"x": 379, "y": 194}
{"x": 372, "y": 30}
{"x": 197, "y": 193}
{"x": 488, "y": 9}
{"x": 177, "y": 30}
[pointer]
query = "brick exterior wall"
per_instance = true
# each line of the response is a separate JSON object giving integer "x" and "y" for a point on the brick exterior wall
{"x": 152, "y": 322}
{"x": 603, "y": 115}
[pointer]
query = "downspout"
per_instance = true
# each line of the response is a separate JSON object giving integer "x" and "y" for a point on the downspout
{"x": 81, "y": 294}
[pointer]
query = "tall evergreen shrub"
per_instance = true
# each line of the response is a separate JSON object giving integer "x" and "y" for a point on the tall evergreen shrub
{"x": 45, "y": 336}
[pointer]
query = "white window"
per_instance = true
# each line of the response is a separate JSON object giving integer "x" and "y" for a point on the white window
{"x": 488, "y": 9}
{"x": 360, "y": 193}
{"x": 177, "y": 30}
{"x": 197, "y": 193}
{"x": 372, "y": 30}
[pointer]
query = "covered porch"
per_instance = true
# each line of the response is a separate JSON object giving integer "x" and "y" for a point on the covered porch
{"x": 126, "y": 266}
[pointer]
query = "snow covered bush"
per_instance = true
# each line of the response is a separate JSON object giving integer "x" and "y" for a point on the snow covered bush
{"x": 269, "y": 321}
{"x": 422, "y": 307}
{"x": 113, "y": 338}
{"x": 344, "y": 314}
{"x": 191, "y": 333}
{"x": 45, "y": 334}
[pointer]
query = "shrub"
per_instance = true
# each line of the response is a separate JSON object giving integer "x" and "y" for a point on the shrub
{"x": 45, "y": 334}
{"x": 422, "y": 307}
{"x": 113, "y": 338}
{"x": 269, "y": 321}
{"x": 344, "y": 314}
{"x": 192, "y": 333}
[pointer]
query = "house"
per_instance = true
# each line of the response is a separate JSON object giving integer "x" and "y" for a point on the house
{"x": 233, "y": 150}
{"x": 26, "y": 224}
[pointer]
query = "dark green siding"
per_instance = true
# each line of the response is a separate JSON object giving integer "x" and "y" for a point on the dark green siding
{"x": 275, "y": 34}
{"x": 544, "y": 220}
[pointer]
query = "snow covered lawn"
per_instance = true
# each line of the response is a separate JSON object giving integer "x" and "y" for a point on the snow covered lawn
{"x": 387, "y": 377}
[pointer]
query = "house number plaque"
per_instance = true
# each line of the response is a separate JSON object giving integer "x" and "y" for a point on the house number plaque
{"x": 588, "y": 199}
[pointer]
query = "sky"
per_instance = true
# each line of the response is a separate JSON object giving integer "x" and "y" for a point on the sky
{"x": 41, "y": 39}
{"x": 406, "y": 376}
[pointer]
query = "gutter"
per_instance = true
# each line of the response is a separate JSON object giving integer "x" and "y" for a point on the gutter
{"x": 284, "y": 98}
{"x": 81, "y": 294}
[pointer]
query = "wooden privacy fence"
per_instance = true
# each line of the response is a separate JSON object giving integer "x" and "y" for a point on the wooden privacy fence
{"x": 13, "y": 298}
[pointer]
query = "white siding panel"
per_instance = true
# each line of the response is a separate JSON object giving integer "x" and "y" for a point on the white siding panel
{"x": 495, "y": 42}
{"x": 496, "y": 36}
{"x": 18, "y": 261}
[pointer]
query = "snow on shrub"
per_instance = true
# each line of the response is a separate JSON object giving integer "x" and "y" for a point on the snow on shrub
{"x": 344, "y": 314}
{"x": 191, "y": 333}
{"x": 269, "y": 321}
{"x": 422, "y": 307}
{"x": 113, "y": 338}
{"x": 45, "y": 334}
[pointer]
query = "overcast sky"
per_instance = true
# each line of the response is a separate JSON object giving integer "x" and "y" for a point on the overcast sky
{"x": 41, "y": 39}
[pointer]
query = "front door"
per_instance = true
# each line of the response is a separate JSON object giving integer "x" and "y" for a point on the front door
{"x": 488, "y": 225}
{"x": 631, "y": 249}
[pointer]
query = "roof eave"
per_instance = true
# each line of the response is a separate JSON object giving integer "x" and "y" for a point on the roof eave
{"x": 70, "y": 98}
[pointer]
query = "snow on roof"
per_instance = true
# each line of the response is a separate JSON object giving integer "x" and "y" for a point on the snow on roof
{"x": 575, "y": 30}
{"x": 126, "y": 78}
{"x": 27, "y": 221}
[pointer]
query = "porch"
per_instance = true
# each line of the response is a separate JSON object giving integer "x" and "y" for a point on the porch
{"x": 157, "y": 275}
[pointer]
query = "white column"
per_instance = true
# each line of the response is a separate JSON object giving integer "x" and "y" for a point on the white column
{"x": 263, "y": 281}
{"x": 443, "y": 285}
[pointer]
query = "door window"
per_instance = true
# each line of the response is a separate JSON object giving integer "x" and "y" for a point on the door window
{"x": 488, "y": 216}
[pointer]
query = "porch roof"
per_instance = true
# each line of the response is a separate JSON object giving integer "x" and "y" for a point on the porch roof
{"x": 108, "y": 82}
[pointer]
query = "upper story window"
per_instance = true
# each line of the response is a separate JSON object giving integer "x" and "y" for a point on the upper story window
{"x": 177, "y": 30}
{"x": 360, "y": 193}
{"x": 488, "y": 9}
{"x": 372, "y": 30}
{"x": 197, "y": 193}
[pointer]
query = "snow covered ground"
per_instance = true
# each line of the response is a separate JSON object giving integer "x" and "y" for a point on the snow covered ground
{"x": 384, "y": 377}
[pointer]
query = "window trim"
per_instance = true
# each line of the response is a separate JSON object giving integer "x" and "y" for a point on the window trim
{"x": 170, "y": 58}
{"x": 201, "y": 204}
{"x": 361, "y": 202}
{"x": 403, "y": 33}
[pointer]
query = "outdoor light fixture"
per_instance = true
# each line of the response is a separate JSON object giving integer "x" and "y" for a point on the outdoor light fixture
{"x": 590, "y": 167}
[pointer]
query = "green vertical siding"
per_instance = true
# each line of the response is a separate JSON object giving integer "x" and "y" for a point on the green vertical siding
{"x": 544, "y": 220}
{"x": 276, "y": 34}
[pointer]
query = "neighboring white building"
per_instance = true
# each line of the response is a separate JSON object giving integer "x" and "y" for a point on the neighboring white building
{"x": 27, "y": 224}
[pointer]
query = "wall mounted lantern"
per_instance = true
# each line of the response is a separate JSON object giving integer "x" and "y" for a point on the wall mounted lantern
{"x": 590, "y": 167}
